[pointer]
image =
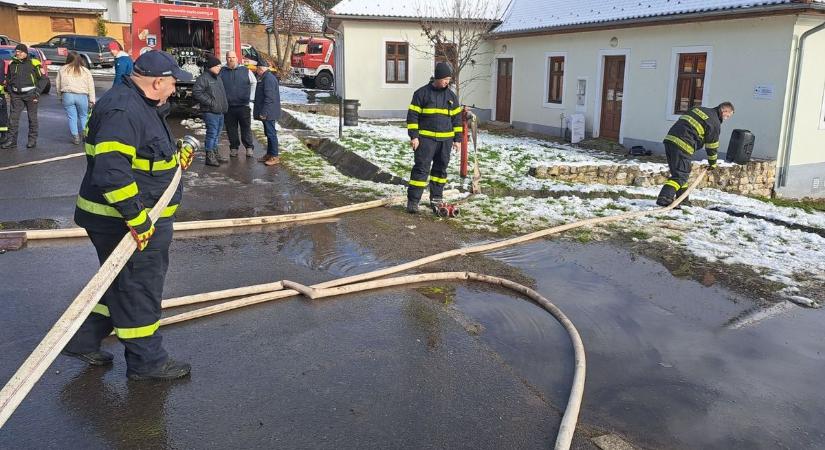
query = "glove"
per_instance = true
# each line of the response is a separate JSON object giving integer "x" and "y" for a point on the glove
{"x": 187, "y": 155}
{"x": 142, "y": 232}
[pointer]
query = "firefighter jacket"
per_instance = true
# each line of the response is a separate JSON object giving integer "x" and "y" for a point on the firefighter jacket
{"x": 697, "y": 128}
{"x": 435, "y": 114}
{"x": 131, "y": 158}
{"x": 23, "y": 75}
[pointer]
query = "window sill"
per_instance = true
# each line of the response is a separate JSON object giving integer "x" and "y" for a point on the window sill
{"x": 553, "y": 105}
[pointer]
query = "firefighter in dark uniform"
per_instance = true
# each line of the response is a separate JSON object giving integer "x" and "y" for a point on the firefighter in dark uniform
{"x": 434, "y": 127}
{"x": 131, "y": 159}
{"x": 697, "y": 128}
{"x": 23, "y": 84}
{"x": 4, "y": 113}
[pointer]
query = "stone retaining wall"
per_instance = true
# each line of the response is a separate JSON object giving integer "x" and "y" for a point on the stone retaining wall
{"x": 754, "y": 178}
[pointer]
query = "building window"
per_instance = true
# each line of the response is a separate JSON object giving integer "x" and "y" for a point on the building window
{"x": 62, "y": 24}
{"x": 690, "y": 81}
{"x": 555, "y": 79}
{"x": 396, "y": 62}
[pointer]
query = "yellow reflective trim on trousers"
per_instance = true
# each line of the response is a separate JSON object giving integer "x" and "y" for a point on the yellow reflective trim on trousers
{"x": 139, "y": 219}
{"x": 680, "y": 143}
{"x": 137, "y": 332}
{"x": 108, "y": 211}
{"x": 673, "y": 184}
{"x": 455, "y": 111}
{"x": 443, "y": 111}
{"x": 437, "y": 134}
{"x": 712, "y": 145}
{"x": 103, "y": 310}
{"x": 458, "y": 129}
{"x": 412, "y": 126}
{"x": 415, "y": 108}
{"x": 699, "y": 113}
{"x": 118, "y": 195}
{"x": 713, "y": 157}
{"x": 417, "y": 183}
{"x": 438, "y": 180}
{"x": 4, "y": 128}
{"x": 696, "y": 125}
{"x": 112, "y": 146}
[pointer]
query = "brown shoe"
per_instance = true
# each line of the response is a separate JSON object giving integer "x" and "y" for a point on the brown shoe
{"x": 272, "y": 160}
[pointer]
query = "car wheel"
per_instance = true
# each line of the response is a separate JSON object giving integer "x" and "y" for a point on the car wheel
{"x": 323, "y": 81}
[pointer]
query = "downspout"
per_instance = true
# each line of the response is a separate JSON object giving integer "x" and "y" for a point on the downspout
{"x": 339, "y": 72}
{"x": 787, "y": 141}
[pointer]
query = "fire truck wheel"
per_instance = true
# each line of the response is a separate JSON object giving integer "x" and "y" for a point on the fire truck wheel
{"x": 308, "y": 82}
{"x": 323, "y": 80}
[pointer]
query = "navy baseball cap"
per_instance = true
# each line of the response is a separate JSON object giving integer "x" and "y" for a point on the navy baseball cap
{"x": 156, "y": 63}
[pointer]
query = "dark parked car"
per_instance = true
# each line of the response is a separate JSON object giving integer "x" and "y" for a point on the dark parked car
{"x": 7, "y": 53}
{"x": 93, "y": 49}
{"x": 5, "y": 40}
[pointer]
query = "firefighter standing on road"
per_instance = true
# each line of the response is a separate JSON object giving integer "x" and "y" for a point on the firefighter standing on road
{"x": 4, "y": 113}
{"x": 696, "y": 128}
{"x": 131, "y": 159}
{"x": 22, "y": 81}
{"x": 434, "y": 127}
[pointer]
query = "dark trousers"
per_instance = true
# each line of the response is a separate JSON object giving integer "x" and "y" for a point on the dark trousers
{"x": 18, "y": 102}
{"x": 131, "y": 305}
{"x": 271, "y": 137}
{"x": 239, "y": 115}
{"x": 679, "y": 164}
{"x": 4, "y": 115}
{"x": 431, "y": 160}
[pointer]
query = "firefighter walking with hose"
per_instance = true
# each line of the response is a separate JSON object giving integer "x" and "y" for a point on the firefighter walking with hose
{"x": 434, "y": 127}
{"x": 131, "y": 159}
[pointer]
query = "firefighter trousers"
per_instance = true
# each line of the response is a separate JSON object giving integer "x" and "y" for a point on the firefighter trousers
{"x": 431, "y": 160}
{"x": 131, "y": 306}
{"x": 18, "y": 103}
{"x": 4, "y": 115}
{"x": 679, "y": 164}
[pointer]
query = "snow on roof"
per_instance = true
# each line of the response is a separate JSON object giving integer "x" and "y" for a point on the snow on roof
{"x": 436, "y": 9}
{"x": 56, "y": 4}
{"x": 539, "y": 14}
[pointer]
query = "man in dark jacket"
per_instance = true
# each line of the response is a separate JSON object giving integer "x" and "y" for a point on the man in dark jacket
{"x": 239, "y": 83}
{"x": 268, "y": 110}
{"x": 123, "y": 62}
{"x": 4, "y": 113}
{"x": 697, "y": 128}
{"x": 209, "y": 92}
{"x": 22, "y": 80}
{"x": 434, "y": 127}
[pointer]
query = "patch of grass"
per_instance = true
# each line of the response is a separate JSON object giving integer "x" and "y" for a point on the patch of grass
{"x": 806, "y": 204}
{"x": 675, "y": 237}
{"x": 584, "y": 236}
{"x": 640, "y": 235}
{"x": 616, "y": 206}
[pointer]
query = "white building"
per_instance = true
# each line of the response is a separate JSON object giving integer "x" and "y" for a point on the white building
{"x": 631, "y": 67}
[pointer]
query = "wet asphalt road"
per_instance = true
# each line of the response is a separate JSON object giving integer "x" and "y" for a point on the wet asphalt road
{"x": 671, "y": 363}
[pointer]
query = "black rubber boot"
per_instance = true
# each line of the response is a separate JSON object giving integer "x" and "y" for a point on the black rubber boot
{"x": 170, "y": 370}
{"x": 666, "y": 195}
{"x": 98, "y": 358}
{"x": 686, "y": 201}
{"x": 412, "y": 207}
{"x": 212, "y": 158}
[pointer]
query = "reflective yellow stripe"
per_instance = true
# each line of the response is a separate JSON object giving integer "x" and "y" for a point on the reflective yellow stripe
{"x": 112, "y": 146}
{"x": 712, "y": 145}
{"x": 103, "y": 310}
{"x": 455, "y": 111}
{"x": 417, "y": 183}
{"x": 696, "y": 125}
{"x": 443, "y": 111}
{"x": 437, "y": 134}
{"x": 673, "y": 184}
{"x": 118, "y": 195}
{"x": 146, "y": 165}
{"x": 412, "y": 126}
{"x": 699, "y": 113}
{"x": 680, "y": 143}
{"x": 137, "y": 332}
{"x": 438, "y": 180}
{"x": 139, "y": 219}
{"x": 458, "y": 129}
{"x": 713, "y": 157}
{"x": 108, "y": 211}
{"x": 415, "y": 108}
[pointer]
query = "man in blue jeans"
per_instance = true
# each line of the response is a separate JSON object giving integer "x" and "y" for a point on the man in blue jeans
{"x": 268, "y": 110}
{"x": 210, "y": 94}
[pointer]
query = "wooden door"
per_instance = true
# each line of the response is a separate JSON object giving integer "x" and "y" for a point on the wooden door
{"x": 612, "y": 97}
{"x": 504, "y": 89}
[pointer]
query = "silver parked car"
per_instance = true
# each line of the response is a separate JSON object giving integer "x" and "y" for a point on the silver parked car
{"x": 93, "y": 49}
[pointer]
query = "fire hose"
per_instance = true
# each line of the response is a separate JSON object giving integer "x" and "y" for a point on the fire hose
{"x": 44, "y": 354}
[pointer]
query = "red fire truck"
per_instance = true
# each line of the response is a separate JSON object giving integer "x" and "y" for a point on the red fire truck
{"x": 189, "y": 31}
{"x": 313, "y": 62}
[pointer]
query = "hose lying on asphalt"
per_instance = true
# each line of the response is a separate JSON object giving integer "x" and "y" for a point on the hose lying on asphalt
{"x": 28, "y": 374}
{"x": 34, "y": 163}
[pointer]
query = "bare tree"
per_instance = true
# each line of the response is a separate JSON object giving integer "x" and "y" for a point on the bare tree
{"x": 457, "y": 30}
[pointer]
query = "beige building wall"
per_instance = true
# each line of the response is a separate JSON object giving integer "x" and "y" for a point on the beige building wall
{"x": 36, "y": 27}
{"x": 8, "y": 22}
{"x": 742, "y": 54}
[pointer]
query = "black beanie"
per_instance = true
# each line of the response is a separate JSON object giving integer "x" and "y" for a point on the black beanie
{"x": 211, "y": 62}
{"x": 442, "y": 70}
{"x": 22, "y": 48}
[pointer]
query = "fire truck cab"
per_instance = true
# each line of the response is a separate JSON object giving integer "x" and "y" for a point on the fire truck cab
{"x": 313, "y": 62}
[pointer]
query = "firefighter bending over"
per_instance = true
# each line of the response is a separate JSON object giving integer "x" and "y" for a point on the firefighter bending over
{"x": 434, "y": 126}
{"x": 696, "y": 128}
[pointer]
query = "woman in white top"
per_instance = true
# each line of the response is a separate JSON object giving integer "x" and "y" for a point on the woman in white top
{"x": 76, "y": 88}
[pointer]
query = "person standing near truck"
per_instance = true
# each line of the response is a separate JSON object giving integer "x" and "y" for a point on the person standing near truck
{"x": 268, "y": 110}
{"x": 239, "y": 84}
{"x": 209, "y": 92}
{"x": 123, "y": 62}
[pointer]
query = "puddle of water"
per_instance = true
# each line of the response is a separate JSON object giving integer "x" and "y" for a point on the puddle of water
{"x": 664, "y": 365}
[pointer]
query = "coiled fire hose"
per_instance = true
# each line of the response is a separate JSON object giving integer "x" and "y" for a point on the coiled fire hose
{"x": 44, "y": 354}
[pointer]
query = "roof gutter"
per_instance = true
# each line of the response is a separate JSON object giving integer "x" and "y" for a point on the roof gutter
{"x": 787, "y": 141}
{"x": 402, "y": 18}
{"x": 796, "y": 8}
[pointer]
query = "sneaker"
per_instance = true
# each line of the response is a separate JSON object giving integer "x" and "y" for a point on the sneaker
{"x": 212, "y": 159}
{"x": 233, "y": 152}
{"x": 8, "y": 144}
{"x": 170, "y": 370}
{"x": 98, "y": 358}
{"x": 272, "y": 160}
{"x": 221, "y": 158}
{"x": 250, "y": 152}
{"x": 31, "y": 144}
{"x": 76, "y": 140}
